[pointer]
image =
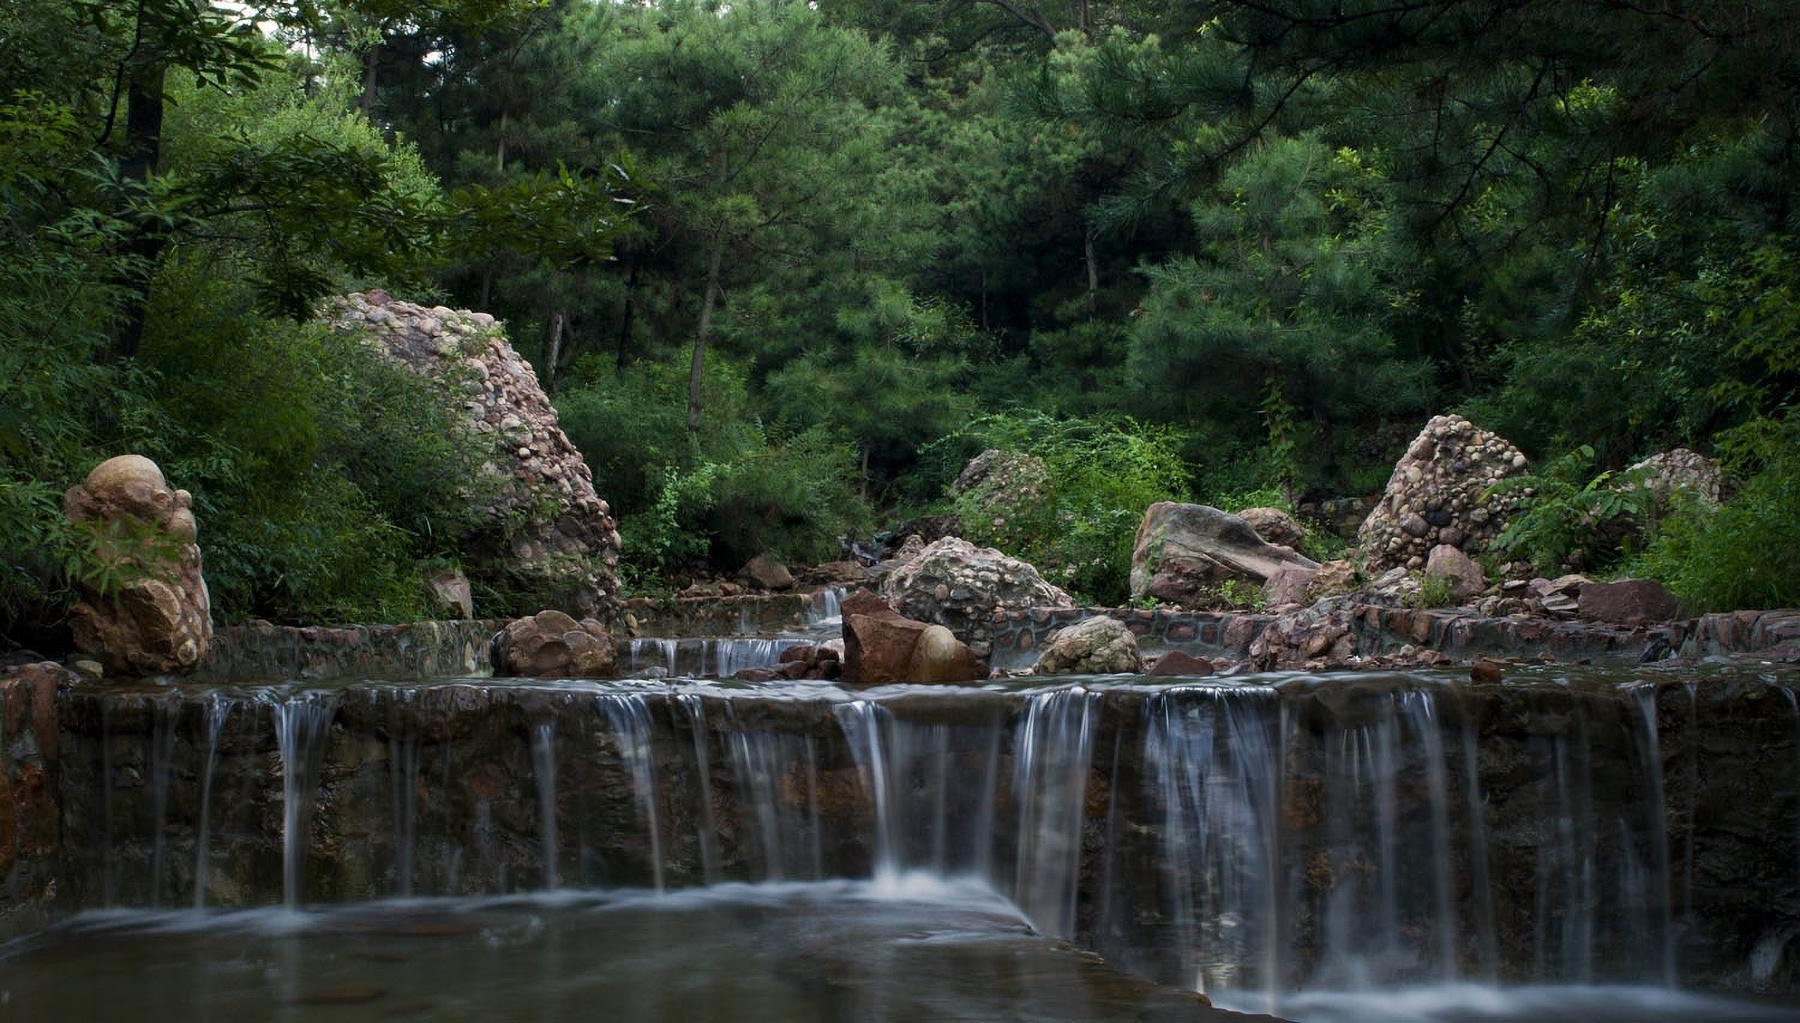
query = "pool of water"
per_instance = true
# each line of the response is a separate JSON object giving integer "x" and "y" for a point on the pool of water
{"x": 1483, "y": 1003}
{"x": 915, "y": 949}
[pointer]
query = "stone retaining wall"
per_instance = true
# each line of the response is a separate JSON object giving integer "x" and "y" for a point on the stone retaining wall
{"x": 1017, "y": 635}
{"x": 30, "y": 807}
{"x": 416, "y": 650}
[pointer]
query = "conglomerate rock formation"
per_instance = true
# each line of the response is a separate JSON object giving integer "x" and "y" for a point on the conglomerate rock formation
{"x": 1439, "y": 494}
{"x": 550, "y": 538}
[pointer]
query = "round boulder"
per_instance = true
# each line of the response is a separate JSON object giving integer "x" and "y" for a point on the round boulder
{"x": 1275, "y": 526}
{"x": 1096, "y": 646}
{"x": 550, "y": 644}
{"x": 958, "y": 585}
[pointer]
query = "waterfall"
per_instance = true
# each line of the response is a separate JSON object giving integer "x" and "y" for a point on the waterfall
{"x": 1212, "y": 761}
{"x": 1052, "y": 754}
{"x": 403, "y": 788}
{"x": 166, "y": 713}
{"x": 1247, "y": 840}
{"x": 543, "y": 764}
{"x": 302, "y": 721}
{"x": 218, "y": 711}
{"x": 1659, "y": 834}
{"x": 707, "y": 826}
{"x": 630, "y": 720}
{"x": 826, "y": 608}
{"x": 721, "y": 657}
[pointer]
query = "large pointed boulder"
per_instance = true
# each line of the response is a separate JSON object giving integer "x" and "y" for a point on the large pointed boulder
{"x": 1184, "y": 552}
{"x": 1440, "y": 493}
{"x": 548, "y": 537}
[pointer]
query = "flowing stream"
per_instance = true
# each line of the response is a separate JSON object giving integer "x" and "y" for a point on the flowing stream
{"x": 1356, "y": 848}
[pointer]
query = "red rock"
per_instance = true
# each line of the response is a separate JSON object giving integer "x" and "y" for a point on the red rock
{"x": 1180, "y": 663}
{"x": 1628, "y": 602}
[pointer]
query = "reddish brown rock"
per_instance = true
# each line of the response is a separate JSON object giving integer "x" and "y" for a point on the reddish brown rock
{"x": 882, "y": 647}
{"x": 155, "y": 615}
{"x": 766, "y": 573}
{"x": 1466, "y": 579}
{"x": 550, "y": 644}
{"x": 1628, "y": 602}
{"x": 1177, "y": 663}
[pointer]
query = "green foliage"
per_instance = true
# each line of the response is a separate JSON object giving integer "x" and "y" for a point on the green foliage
{"x": 322, "y": 475}
{"x": 734, "y": 490}
{"x": 1571, "y": 519}
{"x": 1740, "y": 554}
{"x": 1102, "y": 475}
{"x": 1434, "y": 591}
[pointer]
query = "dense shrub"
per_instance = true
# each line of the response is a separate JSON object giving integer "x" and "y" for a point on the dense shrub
{"x": 1103, "y": 473}
{"x": 1741, "y": 554}
{"x": 717, "y": 498}
{"x": 323, "y": 476}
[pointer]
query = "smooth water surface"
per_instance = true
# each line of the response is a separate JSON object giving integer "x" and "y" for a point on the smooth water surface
{"x": 916, "y": 949}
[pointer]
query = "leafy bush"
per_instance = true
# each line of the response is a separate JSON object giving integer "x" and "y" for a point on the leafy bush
{"x": 1741, "y": 554}
{"x": 717, "y": 498}
{"x": 323, "y": 476}
{"x": 1103, "y": 473}
{"x": 1568, "y": 522}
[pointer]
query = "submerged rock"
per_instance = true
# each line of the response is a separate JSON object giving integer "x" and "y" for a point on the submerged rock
{"x": 1096, "y": 646}
{"x": 1184, "y": 551}
{"x": 155, "y": 617}
{"x": 550, "y": 644}
{"x": 1178, "y": 663}
{"x": 1438, "y": 494}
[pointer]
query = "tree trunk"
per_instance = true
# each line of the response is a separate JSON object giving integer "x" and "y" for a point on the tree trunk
{"x": 1093, "y": 269}
{"x": 367, "y": 103}
{"x": 705, "y": 330}
{"x": 630, "y": 308}
{"x": 865, "y": 470}
{"x": 500, "y": 147}
{"x": 555, "y": 354}
{"x": 146, "y": 240}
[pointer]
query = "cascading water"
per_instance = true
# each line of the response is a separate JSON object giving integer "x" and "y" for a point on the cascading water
{"x": 629, "y": 717}
{"x": 725, "y": 656}
{"x": 1214, "y": 765}
{"x": 218, "y": 711}
{"x": 1052, "y": 755}
{"x": 166, "y": 712}
{"x": 302, "y": 721}
{"x": 543, "y": 766}
{"x": 1338, "y": 837}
